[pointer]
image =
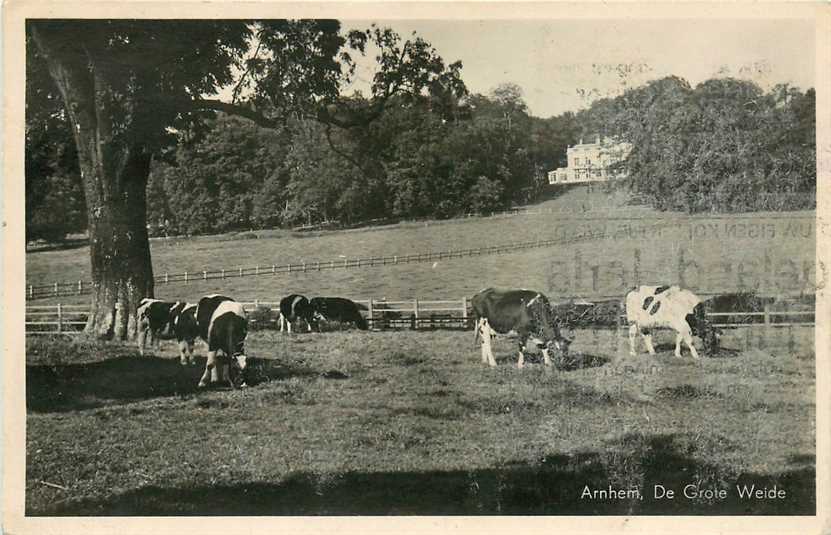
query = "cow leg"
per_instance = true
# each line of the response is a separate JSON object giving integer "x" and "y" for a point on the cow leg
{"x": 482, "y": 332}
{"x": 687, "y": 337}
{"x": 280, "y": 320}
{"x": 647, "y": 340}
{"x": 191, "y": 360}
{"x": 289, "y": 324}
{"x": 142, "y": 335}
{"x": 633, "y": 333}
{"x": 229, "y": 369}
{"x": 545, "y": 358}
{"x": 521, "y": 360}
{"x": 487, "y": 348}
{"x": 209, "y": 366}
{"x": 183, "y": 346}
{"x": 308, "y": 327}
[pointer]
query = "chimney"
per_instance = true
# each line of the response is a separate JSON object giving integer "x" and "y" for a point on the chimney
{"x": 581, "y": 141}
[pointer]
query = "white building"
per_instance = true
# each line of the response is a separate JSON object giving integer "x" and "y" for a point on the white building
{"x": 591, "y": 162}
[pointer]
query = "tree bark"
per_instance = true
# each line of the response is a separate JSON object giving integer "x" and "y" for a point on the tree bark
{"x": 115, "y": 167}
{"x": 122, "y": 273}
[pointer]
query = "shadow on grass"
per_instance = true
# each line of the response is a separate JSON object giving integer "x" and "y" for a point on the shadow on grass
{"x": 554, "y": 486}
{"x": 124, "y": 379}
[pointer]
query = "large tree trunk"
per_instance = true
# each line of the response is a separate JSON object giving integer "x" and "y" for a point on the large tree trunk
{"x": 114, "y": 167}
{"x": 122, "y": 273}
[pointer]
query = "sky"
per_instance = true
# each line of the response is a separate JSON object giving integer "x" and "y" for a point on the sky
{"x": 562, "y": 65}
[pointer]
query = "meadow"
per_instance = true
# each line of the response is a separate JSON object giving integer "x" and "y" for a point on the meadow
{"x": 413, "y": 423}
{"x": 604, "y": 251}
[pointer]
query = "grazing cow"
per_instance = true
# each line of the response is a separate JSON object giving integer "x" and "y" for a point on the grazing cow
{"x": 296, "y": 307}
{"x": 338, "y": 309}
{"x": 154, "y": 321}
{"x": 525, "y": 312}
{"x": 205, "y": 310}
{"x": 226, "y": 332}
{"x": 185, "y": 329}
{"x": 648, "y": 307}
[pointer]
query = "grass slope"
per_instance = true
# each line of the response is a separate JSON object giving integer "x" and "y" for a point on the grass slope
{"x": 411, "y": 423}
{"x": 612, "y": 247}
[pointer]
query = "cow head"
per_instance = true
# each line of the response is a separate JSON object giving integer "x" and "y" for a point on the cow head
{"x": 711, "y": 338}
{"x": 547, "y": 325}
{"x": 701, "y": 327}
{"x": 240, "y": 361}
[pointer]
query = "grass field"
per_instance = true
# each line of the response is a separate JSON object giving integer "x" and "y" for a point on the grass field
{"x": 412, "y": 423}
{"x": 609, "y": 250}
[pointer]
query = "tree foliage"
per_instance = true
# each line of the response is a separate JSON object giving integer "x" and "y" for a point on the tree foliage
{"x": 724, "y": 145}
{"x": 132, "y": 89}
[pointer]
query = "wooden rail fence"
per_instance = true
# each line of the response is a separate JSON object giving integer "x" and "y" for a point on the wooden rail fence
{"x": 64, "y": 289}
{"x": 387, "y": 314}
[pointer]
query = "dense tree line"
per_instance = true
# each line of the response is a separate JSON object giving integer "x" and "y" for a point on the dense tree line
{"x": 422, "y": 158}
{"x": 724, "y": 145}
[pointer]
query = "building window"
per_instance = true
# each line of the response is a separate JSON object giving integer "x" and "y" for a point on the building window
{"x": 577, "y": 161}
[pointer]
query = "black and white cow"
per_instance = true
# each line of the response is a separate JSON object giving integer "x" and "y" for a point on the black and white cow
{"x": 205, "y": 310}
{"x": 296, "y": 307}
{"x": 164, "y": 320}
{"x": 154, "y": 322}
{"x": 224, "y": 324}
{"x": 524, "y": 312}
{"x": 338, "y": 309}
{"x": 649, "y": 307}
{"x": 185, "y": 329}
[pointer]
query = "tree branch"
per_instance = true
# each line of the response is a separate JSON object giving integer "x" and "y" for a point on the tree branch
{"x": 233, "y": 109}
{"x": 337, "y": 151}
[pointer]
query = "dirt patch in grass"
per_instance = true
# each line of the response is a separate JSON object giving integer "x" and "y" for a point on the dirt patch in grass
{"x": 686, "y": 392}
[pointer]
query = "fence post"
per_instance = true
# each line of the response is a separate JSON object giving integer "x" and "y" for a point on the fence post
{"x": 186, "y": 276}
{"x": 395, "y": 259}
{"x": 204, "y": 275}
{"x": 304, "y": 266}
{"x": 222, "y": 274}
{"x": 767, "y": 316}
{"x": 240, "y": 272}
{"x": 256, "y": 303}
{"x": 80, "y": 287}
{"x": 289, "y": 267}
{"x": 464, "y": 311}
{"x": 369, "y": 313}
{"x": 56, "y": 289}
{"x": 60, "y": 318}
{"x": 31, "y": 292}
{"x": 273, "y": 268}
{"x": 415, "y": 313}
{"x": 257, "y": 270}
{"x": 166, "y": 277}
